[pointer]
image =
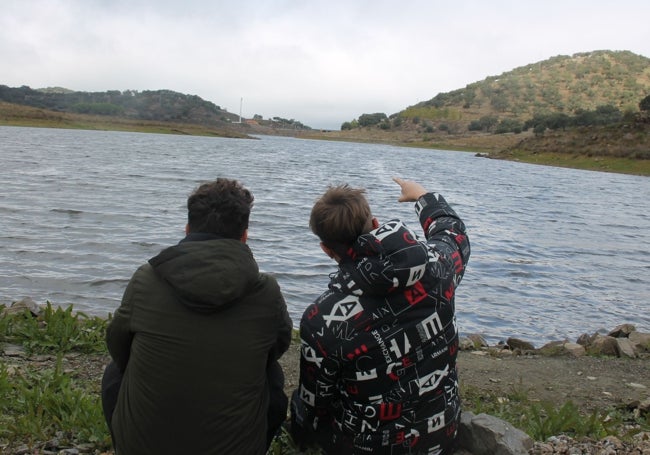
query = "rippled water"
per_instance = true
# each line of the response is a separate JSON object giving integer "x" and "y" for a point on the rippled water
{"x": 555, "y": 252}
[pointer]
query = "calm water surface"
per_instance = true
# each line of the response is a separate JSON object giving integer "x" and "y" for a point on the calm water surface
{"x": 555, "y": 252}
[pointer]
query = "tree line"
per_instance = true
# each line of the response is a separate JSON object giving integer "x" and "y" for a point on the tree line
{"x": 158, "y": 105}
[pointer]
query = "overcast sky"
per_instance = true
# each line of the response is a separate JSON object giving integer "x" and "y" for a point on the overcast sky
{"x": 318, "y": 62}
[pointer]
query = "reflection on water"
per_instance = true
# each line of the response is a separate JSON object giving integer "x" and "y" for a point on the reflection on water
{"x": 555, "y": 252}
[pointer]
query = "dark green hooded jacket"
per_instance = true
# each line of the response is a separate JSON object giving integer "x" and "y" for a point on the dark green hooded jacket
{"x": 196, "y": 329}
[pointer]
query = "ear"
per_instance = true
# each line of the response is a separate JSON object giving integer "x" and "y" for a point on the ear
{"x": 187, "y": 228}
{"x": 330, "y": 252}
{"x": 244, "y": 236}
{"x": 375, "y": 223}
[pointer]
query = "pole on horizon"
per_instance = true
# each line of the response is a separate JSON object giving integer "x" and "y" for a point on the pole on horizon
{"x": 241, "y": 101}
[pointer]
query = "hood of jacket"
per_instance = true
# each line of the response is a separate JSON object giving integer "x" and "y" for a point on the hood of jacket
{"x": 206, "y": 272}
{"x": 388, "y": 258}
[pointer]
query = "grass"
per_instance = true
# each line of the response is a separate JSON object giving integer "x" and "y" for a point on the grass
{"x": 541, "y": 420}
{"x": 585, "y": 162}
{"x": 17, "y": 115}
{"x": 39, "y": 405}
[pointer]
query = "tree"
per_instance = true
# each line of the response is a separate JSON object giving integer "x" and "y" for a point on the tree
{"x": 644, "y": 105}
{"x": 372, "y": 119}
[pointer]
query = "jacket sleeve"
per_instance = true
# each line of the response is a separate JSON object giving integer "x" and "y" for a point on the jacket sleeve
{"x": 285, "y": 328}
{"x": 119, "y": 335}
{"x": 444, "y": 230}
{"x": 312, "y": 405}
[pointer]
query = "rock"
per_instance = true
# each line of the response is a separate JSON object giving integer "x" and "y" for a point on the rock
{"x": 644, "y": 407}
{"x": 552, "y": 348}
{"x": 603, "y": 345}
{"x": 14, "y": 350}
{"x": 487, "y": 435}
{"x": 478, "y": 341}
{"x": 465, "y": 344}
{"x": 585, "y": 339}
{"x": 22, "y": 305}
{"x": 516, "y": 343}
{"x": 622, "y": 331}
{"x": 574, "y": 349}
{"x": 640, "y": 341}
{"x": 625, "y": 348}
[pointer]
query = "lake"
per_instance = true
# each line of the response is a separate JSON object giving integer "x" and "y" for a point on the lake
{"x": 555, "y": 252}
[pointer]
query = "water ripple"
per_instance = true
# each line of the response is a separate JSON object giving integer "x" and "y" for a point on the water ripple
{"x": 555, "y": 252}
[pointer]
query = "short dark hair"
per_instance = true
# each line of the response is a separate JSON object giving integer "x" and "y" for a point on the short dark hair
{"x": 221, "y": 207}
{"x": 340, "y": 216}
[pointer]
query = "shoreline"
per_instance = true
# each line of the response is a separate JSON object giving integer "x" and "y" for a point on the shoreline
{"x": 569, "y": 382}
{"x": 492, "y": 146}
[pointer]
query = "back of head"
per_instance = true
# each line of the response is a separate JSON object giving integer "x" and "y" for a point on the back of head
{"x": 340, "y": 216}
{"x": 221, "y": 207}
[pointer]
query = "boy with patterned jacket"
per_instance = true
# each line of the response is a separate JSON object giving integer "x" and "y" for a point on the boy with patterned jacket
{"x": 378, "y": 358}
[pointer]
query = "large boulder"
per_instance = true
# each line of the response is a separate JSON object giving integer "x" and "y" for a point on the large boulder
{"x": 484, "y": 434}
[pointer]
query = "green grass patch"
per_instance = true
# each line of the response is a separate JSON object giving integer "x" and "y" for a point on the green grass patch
{"x": 541, "y": 420}
{"x": 38, "y": 406}
{"x": 55, "y": 330}
{"x": 592, "y": 163}
{"x": 432, "y": 113}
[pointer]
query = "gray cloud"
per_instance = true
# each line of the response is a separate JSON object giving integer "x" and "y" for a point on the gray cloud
{"x": 319, "y": 62}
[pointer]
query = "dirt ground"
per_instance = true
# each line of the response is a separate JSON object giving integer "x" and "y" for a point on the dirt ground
{"x": 589, "y": 382}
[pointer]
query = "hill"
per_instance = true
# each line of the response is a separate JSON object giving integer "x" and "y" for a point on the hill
{"x": 562, "y": 84}
{"x": 586, "y": 105}
{"x": 157, "y": 108}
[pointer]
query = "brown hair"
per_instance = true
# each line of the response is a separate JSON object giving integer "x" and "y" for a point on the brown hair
{"x": 340, "y": 216}
{"x": 221, "y": 207}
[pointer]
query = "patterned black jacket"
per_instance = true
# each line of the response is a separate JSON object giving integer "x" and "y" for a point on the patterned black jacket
{"x": 378, "y": 359}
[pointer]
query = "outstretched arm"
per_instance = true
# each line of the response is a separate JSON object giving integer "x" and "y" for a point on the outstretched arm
{"x": 444, "y": 230}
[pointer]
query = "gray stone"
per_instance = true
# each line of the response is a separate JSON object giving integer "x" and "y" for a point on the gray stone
{"x": 574, "y": 349}
{"x": 640, "y": 341}
{"x": 483, "y": 434}
{"x": 22, "y": 305}
{"x": 585, "y": 339}
{"x": 622, "y": 331}
{"x": 465, "y": 344}
{"x": 516, "y": 343}
{"x": 625, "y": 348}
{"x": 603, "y": 345}
{"x": 478, "y": 340}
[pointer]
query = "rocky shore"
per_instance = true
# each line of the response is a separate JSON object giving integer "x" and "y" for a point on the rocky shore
{"x": 597, "y": 372}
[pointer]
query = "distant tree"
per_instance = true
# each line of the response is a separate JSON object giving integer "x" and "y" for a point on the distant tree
{"x": 488, "y": 121}
{"x": 508, "y": 126}
{"x": 557, "y": 121}
{"x": 644, "y": 105}
{"x": 372, "y": 119}
{"x": 475, "y": 125}
{"x": 346, "y": 126}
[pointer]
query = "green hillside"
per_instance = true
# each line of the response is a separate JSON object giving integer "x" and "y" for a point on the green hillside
{"x": 114, "y": 106}
{"x": 570, "y": 85}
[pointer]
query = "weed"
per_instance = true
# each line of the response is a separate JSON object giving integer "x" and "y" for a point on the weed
{"x": 37, "y": 405}
{"x": 55, "y": 330}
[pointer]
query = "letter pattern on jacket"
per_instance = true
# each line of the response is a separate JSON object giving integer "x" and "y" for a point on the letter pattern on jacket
{"x": 378, "y": 358}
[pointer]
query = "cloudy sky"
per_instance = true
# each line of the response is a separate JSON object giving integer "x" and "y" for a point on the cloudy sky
{"x": 318, "y": 62}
